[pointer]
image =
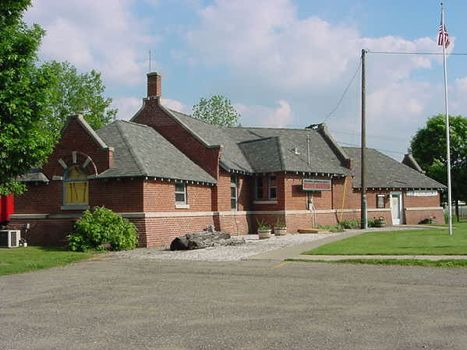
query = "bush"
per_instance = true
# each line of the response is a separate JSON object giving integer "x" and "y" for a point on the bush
{"x": 427, "y": 221}
{"x": 100, "y": 228}
{"x": 349, "y": 224}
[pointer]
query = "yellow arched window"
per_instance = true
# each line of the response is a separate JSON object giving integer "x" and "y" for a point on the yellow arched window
{"x": 75, "y": 186}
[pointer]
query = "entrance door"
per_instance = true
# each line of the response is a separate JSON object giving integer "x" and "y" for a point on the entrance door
{"x": 396, "y": 208}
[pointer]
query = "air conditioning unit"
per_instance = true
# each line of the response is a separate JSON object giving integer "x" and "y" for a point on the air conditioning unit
{"x": 10, "y": 238}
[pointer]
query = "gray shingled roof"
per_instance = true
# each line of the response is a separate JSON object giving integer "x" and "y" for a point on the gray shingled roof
{"x": 34, "y": 175}
{"x": 293, "y": 150}
{"x": 386, "y": 172}
{"x": 232, "y": 156}
{"x": 141, "y": 151}
{"x": 260, "y": 150}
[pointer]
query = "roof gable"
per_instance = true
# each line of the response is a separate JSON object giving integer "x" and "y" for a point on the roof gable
{"x": 141, "y": 151}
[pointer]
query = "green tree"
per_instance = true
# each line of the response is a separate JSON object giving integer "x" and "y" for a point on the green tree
{"x": 74, "y": 92}
{"x": 216, "y": 110}
{"x": 25, "y": 139}
{"x": 428, "y": 147}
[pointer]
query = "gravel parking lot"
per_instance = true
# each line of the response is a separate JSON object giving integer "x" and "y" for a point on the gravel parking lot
{"x": 252, "y": 246}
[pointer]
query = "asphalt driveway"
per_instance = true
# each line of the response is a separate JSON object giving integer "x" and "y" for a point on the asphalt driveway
{"x": 155, "y": 304}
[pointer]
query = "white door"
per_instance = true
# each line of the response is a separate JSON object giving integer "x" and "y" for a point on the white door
{"x": 396, "y": 208}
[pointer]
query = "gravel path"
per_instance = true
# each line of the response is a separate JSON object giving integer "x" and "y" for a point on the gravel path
{"x": 252, "y": 246}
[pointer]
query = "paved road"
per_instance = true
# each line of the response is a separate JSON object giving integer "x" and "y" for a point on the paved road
{"x": 152, "y": 304}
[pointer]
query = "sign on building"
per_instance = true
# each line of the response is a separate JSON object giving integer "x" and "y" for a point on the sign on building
{"x": 316, "y": 185}
{"x": 422, "y": 193}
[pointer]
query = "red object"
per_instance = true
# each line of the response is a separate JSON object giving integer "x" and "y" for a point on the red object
{"x": 7, "y": 207}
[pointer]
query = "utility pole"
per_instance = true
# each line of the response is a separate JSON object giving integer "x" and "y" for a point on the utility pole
{"x": 363, "y": 204}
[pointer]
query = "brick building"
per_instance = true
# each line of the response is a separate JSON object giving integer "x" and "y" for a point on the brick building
{"x": 171, "y": 174}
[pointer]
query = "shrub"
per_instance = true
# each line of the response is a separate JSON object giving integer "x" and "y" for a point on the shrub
{"x": 332, "y": 228}
{"x": 372, "y": 222}
{"x": 349, "y": 224}
{"x": 100, "y": 228}
{"x": 427, "y": 221}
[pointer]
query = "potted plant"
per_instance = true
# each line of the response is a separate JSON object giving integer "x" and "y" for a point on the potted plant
{"x": 264, "y": 229}
{"x": 280, "y": 228}
{"x": 380, "y": 222}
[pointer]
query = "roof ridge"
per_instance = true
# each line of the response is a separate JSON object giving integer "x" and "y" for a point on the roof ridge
{"x": 134, "y": 123}
{"x": 140, "y": 166}
{"x": 281, "y": 155}
{"x": 256, "y": 140}
{"x": 267, "y": 128}
{"x": 170, "y": 112}
{"x": 190, "y": 116}
{"x": 91, "y": 132}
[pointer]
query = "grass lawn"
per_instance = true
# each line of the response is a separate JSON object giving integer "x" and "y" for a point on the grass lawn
{"x": 16, "y": 260}
{"x": 433, "y": 241}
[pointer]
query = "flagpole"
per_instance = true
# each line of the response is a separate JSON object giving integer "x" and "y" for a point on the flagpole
{"x": 446, "y": 107}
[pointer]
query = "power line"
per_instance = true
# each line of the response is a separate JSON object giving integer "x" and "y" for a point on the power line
{"x": 416, "y": 53}
{"x": 344, "y": 93}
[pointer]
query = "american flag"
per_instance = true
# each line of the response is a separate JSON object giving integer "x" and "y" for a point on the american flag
{"x": 443, "y": 36}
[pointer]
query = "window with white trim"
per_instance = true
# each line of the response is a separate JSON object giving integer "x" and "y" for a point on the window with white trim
{"x": 272, "y": 187}
{"x": 380, "y": 200}
{"x": 180, "y": 193}
{"x": 233, "y": 192}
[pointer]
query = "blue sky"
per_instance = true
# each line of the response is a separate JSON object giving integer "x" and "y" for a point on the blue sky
{"x": 283, "y": 63}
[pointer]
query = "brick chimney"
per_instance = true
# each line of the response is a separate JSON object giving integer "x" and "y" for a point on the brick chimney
{"x": 154, "y": 85}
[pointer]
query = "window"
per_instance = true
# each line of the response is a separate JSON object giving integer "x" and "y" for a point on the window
{"x": 233, "y": 192}
{"x": 259, "y": 188}
{"x": 380, "y": 201}
{"x": 180, "y": 193}
{"x": 75, "y": 187}
{"x": 272, "y": 187}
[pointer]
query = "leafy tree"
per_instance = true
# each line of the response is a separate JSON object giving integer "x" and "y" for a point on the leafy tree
{"x": 429, "y": 149}
{"x": 36, "y": 100}
{"x": 216, "y": 110}
{"x": 74, "y": 92}
{"x": 25, "y": 139}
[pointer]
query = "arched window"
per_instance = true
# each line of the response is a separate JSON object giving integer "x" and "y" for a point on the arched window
{"x": 75, "y": 187}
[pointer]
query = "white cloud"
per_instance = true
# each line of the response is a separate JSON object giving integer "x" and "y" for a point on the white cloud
{"x": 127, "y": 106}
{"x": 256, "y": 115}
{"x": 175, "y": 105}
{"x": 307, "y": 61}
{"x": 104, "y": 35}
{"x": 266, "y": 41}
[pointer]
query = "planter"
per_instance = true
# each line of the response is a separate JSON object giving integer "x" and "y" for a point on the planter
{"x": 380, "y": 224}
{"x": 264, "y": 233}
{"x": 280, "y": 231}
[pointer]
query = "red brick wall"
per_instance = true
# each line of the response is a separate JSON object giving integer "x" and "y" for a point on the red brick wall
{"x": 160, "y": 196}
{"x": 124, "y": 195}
{"x": 161, "y": 231}
{"x": 47, "y": 232}
{"x": 40, "y": 199}
{"x": 151, "y": 114}
{"x": 414, "y": 217}
{"x": 296, "y": 198}
{"x": 412, "y": 201}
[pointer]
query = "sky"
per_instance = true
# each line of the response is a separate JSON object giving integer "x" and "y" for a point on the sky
{"x": 282, "y": 63}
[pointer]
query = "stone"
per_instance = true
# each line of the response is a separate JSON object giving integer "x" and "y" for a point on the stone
{"x": 200, "y": 240}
